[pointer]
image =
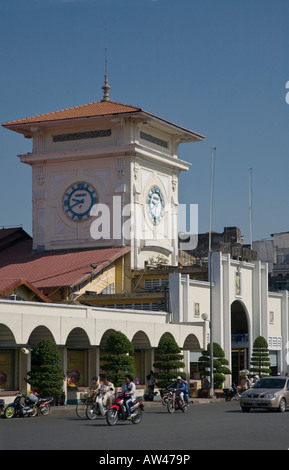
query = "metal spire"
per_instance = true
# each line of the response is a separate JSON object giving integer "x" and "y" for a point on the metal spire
{"x": 106, "y": 86}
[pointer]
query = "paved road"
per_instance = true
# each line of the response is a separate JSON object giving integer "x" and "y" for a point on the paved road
{"x": 205, "y": 427}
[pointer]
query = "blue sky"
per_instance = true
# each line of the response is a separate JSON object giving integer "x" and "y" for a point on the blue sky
{"x": 217, "y": 67}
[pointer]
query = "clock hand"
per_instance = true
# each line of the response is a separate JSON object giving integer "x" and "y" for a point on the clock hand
{"x": 78, "y": 201}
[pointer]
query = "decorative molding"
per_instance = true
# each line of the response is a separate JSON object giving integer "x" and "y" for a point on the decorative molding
{"x": 154, "y": 140}
{"x": 82, "y": 135}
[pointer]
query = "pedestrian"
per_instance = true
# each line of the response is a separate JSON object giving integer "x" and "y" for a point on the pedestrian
{"x": 151, "y": 382}
{"x": 204, "y": 390}
{"x": 62, "y": 400}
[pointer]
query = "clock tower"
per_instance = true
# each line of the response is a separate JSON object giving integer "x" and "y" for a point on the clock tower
{"x": 105, "y": 174}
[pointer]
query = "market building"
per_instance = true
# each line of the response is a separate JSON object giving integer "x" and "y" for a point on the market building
{"x": 105, "y": 256}
{"x": 105, "y": 206}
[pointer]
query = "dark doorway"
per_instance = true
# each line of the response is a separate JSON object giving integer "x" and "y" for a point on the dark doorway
{"x": 239, "y": 340}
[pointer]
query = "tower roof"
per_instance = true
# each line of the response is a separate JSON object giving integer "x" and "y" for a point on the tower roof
{"x": 98, "y": 108}
{"x": 92, "y": 110}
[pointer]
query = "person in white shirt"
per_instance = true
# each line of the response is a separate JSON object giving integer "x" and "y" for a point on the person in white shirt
{"x": 105, "y": 394}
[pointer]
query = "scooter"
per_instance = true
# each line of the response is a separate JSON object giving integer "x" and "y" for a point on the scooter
{"x": 231, "y": 392}
{"x": 43, "y": 405}
{"x": 96, "y": 409}
{"x": 29, "y": 408}
{"x": 118, "y": 410}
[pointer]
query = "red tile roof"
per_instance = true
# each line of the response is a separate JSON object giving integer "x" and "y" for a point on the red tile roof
{"x": 20, "y": 283}
{"x": 53, "y": 269}
{"x": 99, "y": 108}
{"x": 96, "y": 109}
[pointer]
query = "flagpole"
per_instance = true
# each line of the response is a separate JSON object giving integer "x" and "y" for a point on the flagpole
{"x": 212, "y": 393}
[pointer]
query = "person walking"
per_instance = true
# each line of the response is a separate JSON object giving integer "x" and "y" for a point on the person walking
{"x": 151, "y": 385}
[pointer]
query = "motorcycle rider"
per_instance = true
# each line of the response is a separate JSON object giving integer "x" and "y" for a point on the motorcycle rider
{"x": 129, "y": 389}
{"x": 186, "y": 393}
{"x": 105, "y": 393}
{"x": 180, "y": 386}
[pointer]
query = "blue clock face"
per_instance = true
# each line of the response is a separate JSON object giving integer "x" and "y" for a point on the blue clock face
{"x": 156, "y": 204}
{"x": 78, "y": 201}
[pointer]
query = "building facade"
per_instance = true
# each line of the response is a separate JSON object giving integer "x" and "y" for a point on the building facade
{"x": 80, "y": 333}
{"x": 105, "y": 220}
{"x": 275, "y": 251}
{"x": 243, "y": 309}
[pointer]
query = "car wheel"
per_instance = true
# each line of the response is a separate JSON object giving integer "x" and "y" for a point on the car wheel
{"x": 246, "y": 409}
{"x": 282, "y": 405}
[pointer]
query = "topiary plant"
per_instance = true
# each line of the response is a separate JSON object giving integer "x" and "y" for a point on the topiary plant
{"x": 117, "y": 361}
{"x": 219, "y": 362}
{"x": 168, "y": 361}
{"x": 260, "y": 359}
{"x": 46, "y": 375}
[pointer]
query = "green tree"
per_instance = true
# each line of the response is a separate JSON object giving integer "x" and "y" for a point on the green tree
{"x": 46, "y": 375}
{"x": 260, "y": 359}
{"x": 219, "y": 365}
{"x": 168, "y": 361}
{"x": 117, "y": 361}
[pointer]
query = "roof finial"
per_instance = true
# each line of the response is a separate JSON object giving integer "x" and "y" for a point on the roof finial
{"x": 106, "y": 86}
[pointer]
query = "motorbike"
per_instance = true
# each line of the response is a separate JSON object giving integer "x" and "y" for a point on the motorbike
{"x": 43, "y": 405}
{"x": 175, "y": 402}
{"x": 29, "y": 408}
{"x": 231, "y": 392}
{"x": 96, "y": 409}
{"x": 118, "y": 411}
{"x": 165, "y": 397}
{"x": 149, "y": 395}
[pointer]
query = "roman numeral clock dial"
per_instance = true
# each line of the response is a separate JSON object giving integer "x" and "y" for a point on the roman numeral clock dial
{"x": 78, "y": 201}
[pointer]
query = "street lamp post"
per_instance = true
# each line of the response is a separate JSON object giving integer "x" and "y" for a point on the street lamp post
{"x": 211, "y": 277}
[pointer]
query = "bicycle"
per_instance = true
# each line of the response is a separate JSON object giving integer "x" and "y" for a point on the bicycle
{"x": 86, "y": 399}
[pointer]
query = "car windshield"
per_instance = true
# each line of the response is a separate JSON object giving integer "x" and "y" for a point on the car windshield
{"x": 270, "y": 383}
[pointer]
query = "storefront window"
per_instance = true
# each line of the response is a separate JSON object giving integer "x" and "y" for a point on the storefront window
{"x": 6, "y": 369}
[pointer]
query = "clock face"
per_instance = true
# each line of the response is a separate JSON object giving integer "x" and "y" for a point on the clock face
{"x": 156, "y": 204}
{"x": 78, "y": 201}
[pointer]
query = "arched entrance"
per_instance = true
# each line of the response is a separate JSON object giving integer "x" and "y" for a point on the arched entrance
{"x": 39, "y": 333}
{"x": 239, "y": 339}
{"x": 77, "y": 357}
{"x": 142, "y": 355}
{"x": 191, "y": 343}
{"x": 8, "y": 358}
